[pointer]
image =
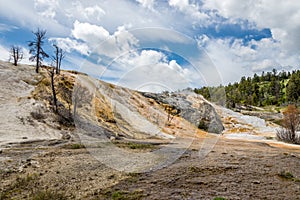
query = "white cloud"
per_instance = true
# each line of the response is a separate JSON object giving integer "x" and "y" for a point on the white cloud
{"x": 70, "y": 44}
{"x": 30, "y": 15}
{"x": 149, "y": 70}
{"x": 46, "y": 8}
{"x": 101, "y": 42}
{"x": 95, "y": 12}
{"x": 4, "y": 53}
{"x": 89, "y": 13}
{"x": 7, "y": 27}
{"x": 146, "y": 57}
{"x": 89, "y": 38}
{"x": 234, "y": 59}
{"x": 281, "y": 16}
{"x": 265, "y": 65}
{"x": 89, "y": 33}
{"x": 189, "y": 8}
{"x": 147, "y": 3}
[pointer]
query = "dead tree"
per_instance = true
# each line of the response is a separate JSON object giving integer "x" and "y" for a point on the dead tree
{"x": 51, "y": 72}
{"x": 36, "y": 50}
{"x": 16, "y": 54}
{"x": 59, "y": 56}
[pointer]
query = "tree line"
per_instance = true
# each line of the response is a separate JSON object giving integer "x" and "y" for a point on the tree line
{"x": 269, "y": 88}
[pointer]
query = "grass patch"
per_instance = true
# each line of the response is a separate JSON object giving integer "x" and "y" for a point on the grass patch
{"x": 49, "y": 195}
{"x": 20, "y": 184}
{"x": 288, "y": 176}
{"x": 29, "y": 187}
{"x": 134, "y": 177}
{"x": 135, "y": 146}
{"x": 139, "y": 146}
{"x": 124, "y": 195}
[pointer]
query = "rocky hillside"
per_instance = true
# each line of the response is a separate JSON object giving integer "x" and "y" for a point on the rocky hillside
{"x": 27, "y": 108}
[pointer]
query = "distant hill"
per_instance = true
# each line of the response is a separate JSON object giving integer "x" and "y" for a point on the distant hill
{"x": 270, "y": 88}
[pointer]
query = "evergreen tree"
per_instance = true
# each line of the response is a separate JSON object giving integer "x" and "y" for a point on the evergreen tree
{"x": 293, "y": 89}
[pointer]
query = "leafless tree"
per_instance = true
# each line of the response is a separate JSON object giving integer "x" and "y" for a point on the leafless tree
{"x": 291, "y": 124}
{"x": 59, "y": 56}
{"x": 36, "y": 50}
{"x": 51, "y": 73}
{"x": 16, "y": 54}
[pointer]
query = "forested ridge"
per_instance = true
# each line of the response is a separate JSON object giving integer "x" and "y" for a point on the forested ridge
{"x": 269, "y": 88}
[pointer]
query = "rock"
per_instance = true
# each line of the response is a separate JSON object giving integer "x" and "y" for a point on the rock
{"x": 112, "y": 138}
{"x": 192, "y": 107}
{"x": 35, "y": 164}
{"x": 65, "y": 135}
{"x": 21, "y": 169}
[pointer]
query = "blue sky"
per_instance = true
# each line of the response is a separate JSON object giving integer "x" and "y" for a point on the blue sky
{"x": 156, "y": 45}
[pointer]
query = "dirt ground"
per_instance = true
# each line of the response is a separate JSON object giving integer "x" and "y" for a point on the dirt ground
{"x": 40, "y": 159}
{"x": 232, "y": 170}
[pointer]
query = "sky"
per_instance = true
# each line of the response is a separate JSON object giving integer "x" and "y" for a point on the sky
{"x": 158, "y": 45}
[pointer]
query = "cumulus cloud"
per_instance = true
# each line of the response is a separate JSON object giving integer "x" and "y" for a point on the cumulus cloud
{"x": 69, "y": 45}
{"x": 89, "y": 33}
{"x": 88, "y": 13}
{"x": 281, "y": 16}
{"x": 149, "y": 70}
{"x": 101, "y": 42}
{"x": 88, "y": 38}
{"x": 234, "y": 59}
{"x": 189, "y": 8}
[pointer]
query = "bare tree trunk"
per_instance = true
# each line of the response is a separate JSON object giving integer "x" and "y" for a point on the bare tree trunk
{"x": 37, "y": 59}
{"x": 56, "y": 59}
{"x": 59, "y": 55}
{"x": 15, "y": 57}
{"x": 53, "y": 91}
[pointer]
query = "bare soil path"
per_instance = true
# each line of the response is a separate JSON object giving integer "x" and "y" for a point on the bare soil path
{"x": 233, "y": 170}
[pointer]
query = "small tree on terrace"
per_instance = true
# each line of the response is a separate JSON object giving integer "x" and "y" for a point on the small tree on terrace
{"x": 36, "y": 50}
{"x": 16, "y": 54}
{"x": 291, "y": 123}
